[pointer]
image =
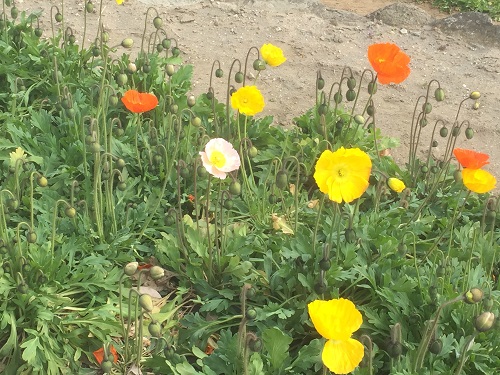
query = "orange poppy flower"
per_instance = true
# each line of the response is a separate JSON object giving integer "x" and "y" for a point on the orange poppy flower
{"x": 139, "y": 102}
{"x": 99, "y": 354}
{"x": 471, "y": 159}
{"x": 390, "y": 63}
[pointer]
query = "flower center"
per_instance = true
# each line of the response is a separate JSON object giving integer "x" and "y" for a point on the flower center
{"x": 218, "y": 159}
{"x": 341, "y": 173}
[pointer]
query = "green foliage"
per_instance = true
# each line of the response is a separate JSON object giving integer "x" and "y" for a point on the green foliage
{"x": 492, "y": 8}
{"x": 99, "y": 187}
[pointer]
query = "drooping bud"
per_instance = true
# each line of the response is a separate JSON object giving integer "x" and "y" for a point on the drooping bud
{"x": 170, "y": 70}
{"x": 485, "y": 321}
{"x": 475, "y": 95}
{"x": 146, "y": 302}
{"x": 436, "y": 346}
{"x": 235, "y": 188}
{"x": 127, "y": 43}
{"x": 359, "y": 119}
{"x": 106, "y": 366}
{"x": 131, "y": 68}
{"x": 156, "y": 272}
{"x": 439, "y": 94}
{"x": 157, "y": 22}
{"x": 131, "y": 268}
{"x": 154, "y": 329}
{"x": 469, "y": 133}
{"x": 474, "y": 295}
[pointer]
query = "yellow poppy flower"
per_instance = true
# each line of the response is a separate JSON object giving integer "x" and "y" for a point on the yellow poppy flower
{"x": 478, "y": 180}
{"x": 336, "y": 320}
{"x": 17, "y": 155}
{"x": 248, "y": 100}
{"x": 119, "y": 2}
{"x": 343, "y": 174}
{"x": 396, "y": 184}
{"x": 272, "y": 55}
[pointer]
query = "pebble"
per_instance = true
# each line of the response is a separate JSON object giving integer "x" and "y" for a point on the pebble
{"x": 403, "y": 31}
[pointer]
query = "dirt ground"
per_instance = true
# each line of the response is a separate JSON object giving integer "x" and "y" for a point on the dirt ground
{"x": 326, "y": 35}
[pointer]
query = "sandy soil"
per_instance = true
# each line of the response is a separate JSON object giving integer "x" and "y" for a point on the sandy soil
{"x": 320, "y": 36}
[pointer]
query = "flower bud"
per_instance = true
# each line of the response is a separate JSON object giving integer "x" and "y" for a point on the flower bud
{"x": 259, "y": 65}
{"x": 191, "y": 100}
{"x": 154, "y": 329}
{"x": 170, "y": 70}
{"x": 238, "y": 77}
{"x": 485, "y": 321}
{"x": 131, "y": 268}
{"x": 106, "y": 366}
{"x": 436, "y": 346}
{"x": 42, "y": 181}
{"x": 372, "y": 88}
{"x": 439, "y": 94}
{"x": 89, "y": 7}
{"x": 219, "y": 73}
{"x": 58, "y": 17}
{"x": 157, "y": 22}
{"x": 359, "y": 119}
{"x": 427, "y": 108}
{"x": 396, "y": 184}
{"x": 325, "y": 264}
{"x": 281, "y": 179}
{"x": 250, "y": 314}
{"x": 156, "y": 272}
{"x": 131, "y": 68}
{"x": 127, "y": 43}
{"x": 443, "y": 132}
{"x": 320, "y": 83}
{"x": 350, "y": 95}
{"x": 475, "y": 95}
{"x": 235, "y": 188}
{"x": 469, "y": 133}
{"x": 472, "y": 296}
{"x": 394, "y": 349}
{"x": 350, "y": 235}
{"x": 146, "y": 302}
{"x": 351, "y": 83}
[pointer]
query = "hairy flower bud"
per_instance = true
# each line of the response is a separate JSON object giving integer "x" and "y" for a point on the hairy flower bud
{"x": 127, "y": 43}
{"x": 131, "y": 268}
{"x": 475, "y": 95}
{"x": 146, "y": 302}
{"x": 156, "y": 272}
{"x": 472, "y": 296}
{"x": 485, "y": 321}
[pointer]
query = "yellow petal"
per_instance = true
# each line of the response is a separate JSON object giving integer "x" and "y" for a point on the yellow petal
{"x": 335, "y": 319}
{"x": 478, "y": 180}
{"x": 396, "y": 184}
{"x": 342, "y": 357}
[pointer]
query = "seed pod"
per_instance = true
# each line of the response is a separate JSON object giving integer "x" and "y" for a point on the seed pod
{"x": 146, "y": 302}
{"x": 127, "y": 43}
{"x": 469, "y": 133}
{"x": 235, "y": 188}
{"x": 475, "y": 95}
{"x": 157, "y": 22}
{"x": 350, "y": 95}
{"x": 219, "y": 73}
{"x": 281, "y": 179}
{"x": 154, "y": 329}
{"x": 439, "y": 94}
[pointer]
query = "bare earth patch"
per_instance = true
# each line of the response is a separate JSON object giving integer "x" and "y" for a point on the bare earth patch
{"x": 326, "y": 35}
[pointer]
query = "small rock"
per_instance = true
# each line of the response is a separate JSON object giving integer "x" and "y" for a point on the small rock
{"x": 403, "y": 31}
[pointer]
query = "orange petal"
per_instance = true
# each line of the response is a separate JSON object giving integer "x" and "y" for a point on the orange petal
{"x": 390, "y": 63}
{"x": 342, "y": 357}
{"x": 470, "y": 158}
